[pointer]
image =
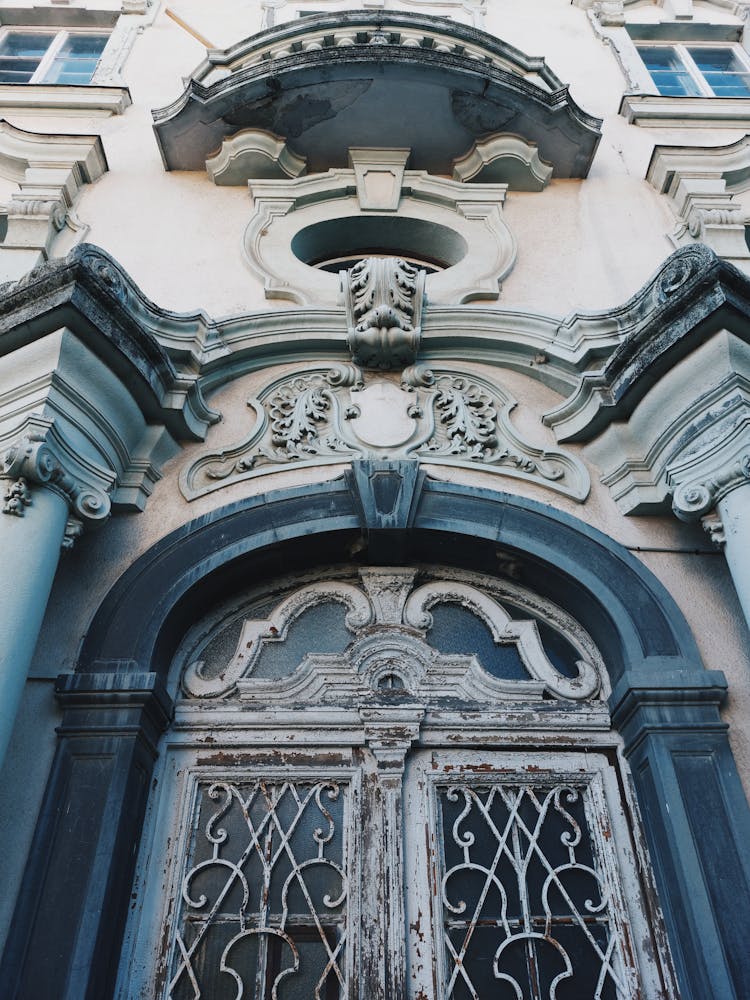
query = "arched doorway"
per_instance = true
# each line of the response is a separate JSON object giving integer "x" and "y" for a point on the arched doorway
{"x": 664, "y": 705}
{"x": 392, "y": 782}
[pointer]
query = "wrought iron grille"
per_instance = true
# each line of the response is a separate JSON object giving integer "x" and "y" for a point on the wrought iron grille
{"x": 263, "y": 901}
{"x": 531, "y": 907}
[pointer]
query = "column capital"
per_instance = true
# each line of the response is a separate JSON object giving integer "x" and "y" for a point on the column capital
{"x": 720, "y": 474}
{"x": 41, "y": 457}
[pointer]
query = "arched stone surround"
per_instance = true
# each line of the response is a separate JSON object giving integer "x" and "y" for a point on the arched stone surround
{"x": 78, "y": 885}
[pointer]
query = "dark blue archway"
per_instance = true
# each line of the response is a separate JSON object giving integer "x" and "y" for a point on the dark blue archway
{"x": 74, "y": 901}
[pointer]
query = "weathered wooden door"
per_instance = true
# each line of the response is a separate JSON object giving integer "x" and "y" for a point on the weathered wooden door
{"x": 434, "y": 806}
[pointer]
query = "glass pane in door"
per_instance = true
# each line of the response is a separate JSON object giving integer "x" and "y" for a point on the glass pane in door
{"x": 263, "y": 896}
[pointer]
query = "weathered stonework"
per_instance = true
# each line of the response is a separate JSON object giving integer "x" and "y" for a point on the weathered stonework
{"x": 447, "y": 418}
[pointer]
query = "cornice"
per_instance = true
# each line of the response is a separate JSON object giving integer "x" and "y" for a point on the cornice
{"x": 692, "y": 295}
{"x": 700, "y": 183}
{"x": 42, "y": 100}
{"x": 50, "y": 170}
{"x": 91, "y": 295}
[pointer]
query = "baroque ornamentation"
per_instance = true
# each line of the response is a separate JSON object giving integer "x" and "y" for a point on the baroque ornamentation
{"x": 17, "y": 498}
{"x": 384, "y": 299}
{"x": 679, "y": 271}
{"x": 38, "y": 458}
{"x": 692, "y": 500}
{"x": 390, "y": 619}
{"x": 335, "y": 415}
{"x": 714, "y": 528}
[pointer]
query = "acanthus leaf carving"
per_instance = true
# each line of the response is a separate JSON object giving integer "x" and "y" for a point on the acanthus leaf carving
{"x": 17, "y": 497}
{"x": 384, "y": 299}
{"x": 467, "y": 419}
{"x": 41, "y": 457}
{"x": 336, "y": 415}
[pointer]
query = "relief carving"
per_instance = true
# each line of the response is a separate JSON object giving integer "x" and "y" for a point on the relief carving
{"x": 334, "y": 415}
{"x": 34, "y": 459}
{"x": 389, "y": 621}
{"x": 384, "y": 299}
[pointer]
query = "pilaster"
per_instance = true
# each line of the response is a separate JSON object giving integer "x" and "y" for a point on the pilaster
{"x": 74, "y": 900}
{"x": 389, "y": 733}
{"x": 697, "y": 822}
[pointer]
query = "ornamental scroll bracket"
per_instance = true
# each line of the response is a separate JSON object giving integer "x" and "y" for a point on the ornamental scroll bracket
{"x": 41, "y": 457}
{"x": 384, "y": 298}
{"x": 389, "y": 620}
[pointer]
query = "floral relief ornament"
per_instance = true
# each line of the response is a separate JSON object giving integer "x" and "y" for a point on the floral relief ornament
{"x": 336, "y": 414}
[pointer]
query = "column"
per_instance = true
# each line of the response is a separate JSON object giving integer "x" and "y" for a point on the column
{"x": 734, "y": 511}
{"x": 44, "y": 507}
{"x": 721, "y": 500}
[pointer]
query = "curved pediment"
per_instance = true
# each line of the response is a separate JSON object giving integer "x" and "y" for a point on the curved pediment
{"x": 333, "y": 81}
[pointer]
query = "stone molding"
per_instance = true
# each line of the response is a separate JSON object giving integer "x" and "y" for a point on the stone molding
{"x": 389, "y": 618}
{"x": 669, "y": 316}
{"x": 253, "y": 153}
{"x": 90, "y": 294}
{"x": 379, "y": 176}
{"x": 689, "y": 452}
{"x": 476, "y": 9}
{"x": 332, "y": 55}
{"x": 41, "y": 457}
{"x": 668, "y": 414}
{"x": 656, "y": 111}
{"x": 504, "y": 158}
{"x": 612, "y": 12}
{"x": 463, "y": 222}
{"x": 50, "y": 171}
{"x": 42, "y": 100}
{"x": 329, "y": 416}
{"x": 700, "y": 183}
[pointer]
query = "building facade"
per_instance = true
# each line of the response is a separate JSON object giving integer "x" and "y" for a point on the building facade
{"x": 374, "y": 408}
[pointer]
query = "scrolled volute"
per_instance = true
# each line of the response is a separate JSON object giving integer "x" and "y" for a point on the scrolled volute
{"x": 36, "y": 459}
{"x": 692, "y": 500}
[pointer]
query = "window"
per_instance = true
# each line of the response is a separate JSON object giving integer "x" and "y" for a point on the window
{"x": 698, "y": 70}
{"x": 63, "y": 57}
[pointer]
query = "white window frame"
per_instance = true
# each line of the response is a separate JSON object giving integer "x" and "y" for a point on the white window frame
{"x": 683, "y": 54}
{"x": 58, "y": 36}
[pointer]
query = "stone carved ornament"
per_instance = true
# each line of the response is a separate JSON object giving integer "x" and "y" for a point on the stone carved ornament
{"x": 389, "y": 619}
{"x": 339, "y": 413}
{"x": 384, "y": 298}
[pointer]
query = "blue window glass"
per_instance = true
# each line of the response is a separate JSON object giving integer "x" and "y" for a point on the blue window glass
{"x": 668, "y": 72}
{"x": 20, "y": 55}
{"x": 76, "y": 60}
{"x": 723, "y": 71}
{"x": 40, "y": 57}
